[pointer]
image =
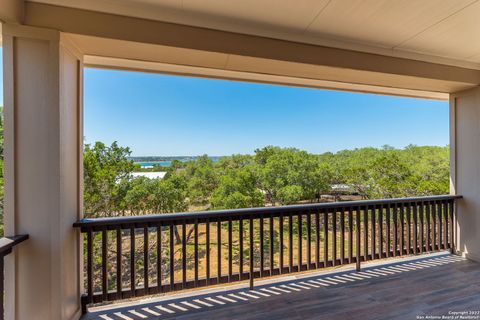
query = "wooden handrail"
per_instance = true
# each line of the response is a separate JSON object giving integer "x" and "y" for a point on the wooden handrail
{"x": 112, "y": 222}
{"x": 7, "y": 243}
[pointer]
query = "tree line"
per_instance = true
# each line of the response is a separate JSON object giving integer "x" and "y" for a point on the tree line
{"x": 270, "y": 176}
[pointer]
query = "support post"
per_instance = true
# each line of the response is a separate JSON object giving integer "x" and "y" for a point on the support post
{"x": 464, "y": 177}
{"x": 43, "y": 168}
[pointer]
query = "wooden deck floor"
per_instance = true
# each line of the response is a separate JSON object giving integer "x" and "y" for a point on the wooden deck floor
{"x": 405, "y": 289}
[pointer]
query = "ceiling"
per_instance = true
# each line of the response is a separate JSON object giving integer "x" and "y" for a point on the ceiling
{"x": 442, "y": 31}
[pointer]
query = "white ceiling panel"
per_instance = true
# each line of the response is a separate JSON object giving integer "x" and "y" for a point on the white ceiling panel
{"x": 457, "y": 36}
{"x": 475, "y": 58}
{"x": 269, "y": 15}
{"x": 385, "y": 23}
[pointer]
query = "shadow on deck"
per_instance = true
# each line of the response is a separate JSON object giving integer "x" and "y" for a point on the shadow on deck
{"x": 431, "y": 284}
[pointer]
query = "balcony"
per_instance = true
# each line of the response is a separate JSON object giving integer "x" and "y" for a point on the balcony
{"x": 420, "y": 49}
{"x": 269, "y": 245}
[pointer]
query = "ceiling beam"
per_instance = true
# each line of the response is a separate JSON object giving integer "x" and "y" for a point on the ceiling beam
{"x": 111, "y": 26}
{"x": 12, "y": 11}
{"x": 226, "y": 74}
{"x": 121, "y": 37}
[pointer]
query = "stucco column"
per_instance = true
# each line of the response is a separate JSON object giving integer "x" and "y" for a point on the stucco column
{"x": 43, "y": 134}
{"x": 465, "y": 168}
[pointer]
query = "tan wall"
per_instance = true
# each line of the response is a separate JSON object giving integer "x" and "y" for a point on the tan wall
{"x": 42, "y": 173}
{"x": 465, "y": 144}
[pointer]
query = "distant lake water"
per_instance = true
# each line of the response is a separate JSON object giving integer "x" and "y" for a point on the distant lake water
{"x": 167, "y": 163}
{"x": 154, "y": 163}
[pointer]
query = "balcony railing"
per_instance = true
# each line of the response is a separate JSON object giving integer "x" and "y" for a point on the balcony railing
{"x": 142, "y": 255}
{"x": 6, "y": 246}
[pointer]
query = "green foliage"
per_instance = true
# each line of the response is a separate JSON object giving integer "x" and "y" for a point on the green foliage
{"x": 290, "y": 175}
{"x": 110, "y": 190}
{"x": 430, "y": 169}
{"x": 391, "y": 173}
{"x": 238, "y": 188}
{"x": 145, "y": 195}
{"x": 272, "y": 176}
{"x": 289, "y": 194}
{"x": 202, "y": 180}
{"x": 389, "y": 177}
{"x": 105, "y": 169}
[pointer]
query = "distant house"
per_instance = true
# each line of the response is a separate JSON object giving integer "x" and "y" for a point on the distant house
{"x": 149, "y": 175}
{"x": 342, "y": 188}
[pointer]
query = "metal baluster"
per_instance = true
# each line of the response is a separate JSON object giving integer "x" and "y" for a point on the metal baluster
{"x": 240, "y": 244}
{"x": 299, "y": 256}
{"x": 195, "y": 240}
{"x": 184, "y": 254}
{"x": 207, "y": 250}
{"x": 272, "y": 241}
{"x": 309, "y": 239}
{"x": 159, "y": 259}
{"x": 145, "y": 260}
{"x": 280, "y": 228}
{"x": 230, "y": 256}
{"x": 325, "y": 238}
{"x": 89, "y": 266}
{"x": 251, "y": 253}
{"x": 119, "y": 263}
{"x": 132, "y": 262}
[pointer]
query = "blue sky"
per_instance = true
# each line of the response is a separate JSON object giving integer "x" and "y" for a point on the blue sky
{"x": 170, "y": 115}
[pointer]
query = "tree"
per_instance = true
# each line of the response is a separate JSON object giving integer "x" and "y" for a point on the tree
{"x": 431, "y": 168}
{"x": 140, "y": 195}
{"x": 289, "y": 194}
{"x": 390, "y": 177}
{"x": 169, "y": 195}
{"x": 234, "y": 162}
{"x": 290, "y": 175}
{"x": 105, "y": 168}
{"x": 273, "y": 175}
{"x": 388, "y": 172}
{"x": 147, "y": 196}
{"x": 202, "y": 179}
{"x": 238, "y": 188}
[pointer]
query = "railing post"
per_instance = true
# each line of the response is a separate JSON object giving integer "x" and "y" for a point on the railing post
{"x": 357, "y": 218}
{"x": 452, "y": 206}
